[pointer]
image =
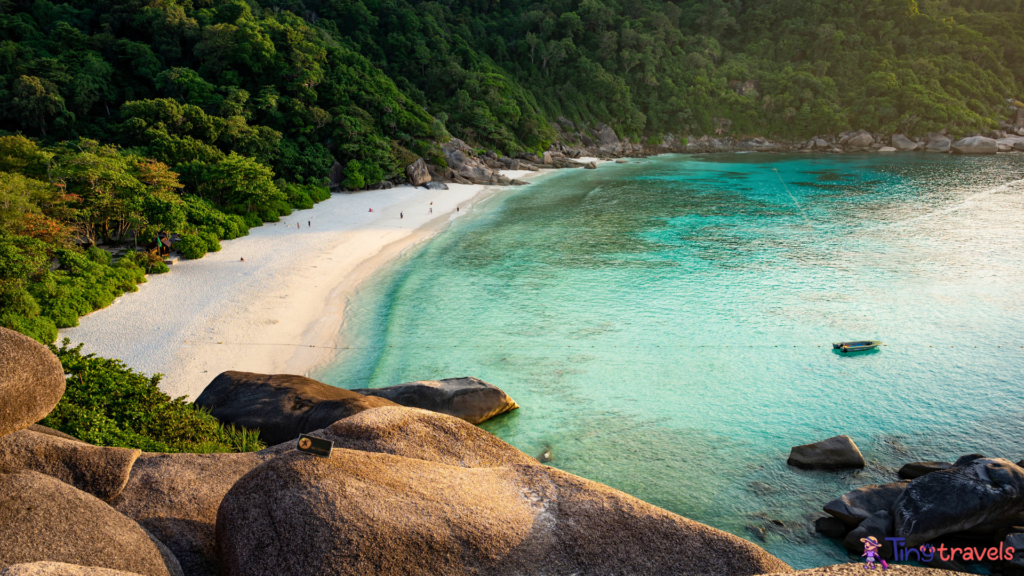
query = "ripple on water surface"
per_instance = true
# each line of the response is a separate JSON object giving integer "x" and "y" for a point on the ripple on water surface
{"x": 666, "y": 326}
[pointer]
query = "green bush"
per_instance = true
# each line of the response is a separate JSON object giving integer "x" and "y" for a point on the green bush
{"x": 191, "y": 246}
{"x": 212, "y": 241}
{"x": 108, "y": 404}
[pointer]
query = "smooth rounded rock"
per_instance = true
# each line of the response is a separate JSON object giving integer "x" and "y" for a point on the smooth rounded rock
{"x": 44, "y": 519}
{"x": 975, "y": 145}
{"x": 31, "y": 381}
{"x": 176, "y": 496}
{"x": 370, "y": 513}
{"x": 836, "y": 453}
{"x": 417, "y": 173}
{"x": 99, "y": 470}
{"x": 468, "y": 398}
{"x": 280, "y": 406}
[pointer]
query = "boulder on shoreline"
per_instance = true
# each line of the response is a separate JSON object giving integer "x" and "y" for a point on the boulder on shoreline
{"x": 901, "y": 142}
{"x": 975, "y": 145}
{"x": 468, "y": 398}
{"x": 281, "y": 406}
{"x": 31, "y": 381}
{"x": 835, "y": 453}
{"x": 417, "y": 173}
{"x": 44, "y": 519}
{"x": 99, "y": 470}
{"x": 972, "y": 493}
{"x": 939, "y": 145}
{"x": 371, "y": 513}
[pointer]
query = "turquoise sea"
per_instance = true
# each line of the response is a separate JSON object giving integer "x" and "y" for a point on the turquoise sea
{"x": 666, "y": 325}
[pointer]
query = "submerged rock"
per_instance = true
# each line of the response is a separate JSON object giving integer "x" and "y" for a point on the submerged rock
{"x": 972, "y": 493}
{"x": 44, "y": 519}
{"x": 370, "y": 513}
{"x": 830, "y": 527}
{"x": 468, "y": 398}
{"x": 31, "y": 381}
{"x": 98, "y": 470}
{"x": 281, "y": 406}
{"x": 857, "y": 505}
{"x": 834, "y": 453}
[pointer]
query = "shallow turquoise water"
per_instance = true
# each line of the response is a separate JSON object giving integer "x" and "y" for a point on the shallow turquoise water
{"x": 666, "y": 325}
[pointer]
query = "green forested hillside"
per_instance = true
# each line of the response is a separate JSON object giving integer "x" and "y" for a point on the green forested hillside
{"x": 128, "y": 120}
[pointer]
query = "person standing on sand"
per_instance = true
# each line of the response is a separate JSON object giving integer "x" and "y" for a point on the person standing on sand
{"x": 371, "y": 209}
{"x": 431, "y": 211}
{"x": 309, "y": 224}
{"x": 401, "y": 215}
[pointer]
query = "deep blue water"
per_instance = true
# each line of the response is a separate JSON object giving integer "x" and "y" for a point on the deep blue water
{"x": 666, "y": 324}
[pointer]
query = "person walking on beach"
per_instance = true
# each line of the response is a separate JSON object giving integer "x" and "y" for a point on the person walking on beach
{"x": 298, "y": 226}
{"x": 431, "y": 211}
{"x": 309, "y": 224}
{"x": 401, "y": 215}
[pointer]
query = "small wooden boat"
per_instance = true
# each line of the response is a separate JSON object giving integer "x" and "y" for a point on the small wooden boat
{"x": 858, "y": 346}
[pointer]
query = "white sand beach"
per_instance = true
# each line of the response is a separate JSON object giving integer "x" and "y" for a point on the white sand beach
{"x": 279, "y": 311}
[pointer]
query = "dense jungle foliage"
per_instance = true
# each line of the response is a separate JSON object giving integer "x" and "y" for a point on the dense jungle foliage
{"x": 108, "y": 404}
{"x": 130, "y": 120}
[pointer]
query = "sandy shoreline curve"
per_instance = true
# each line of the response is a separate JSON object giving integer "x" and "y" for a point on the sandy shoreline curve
{"x": 281, "y": 310}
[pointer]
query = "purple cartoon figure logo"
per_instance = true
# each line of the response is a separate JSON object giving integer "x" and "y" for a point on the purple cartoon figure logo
{"x": 871, "y": 547}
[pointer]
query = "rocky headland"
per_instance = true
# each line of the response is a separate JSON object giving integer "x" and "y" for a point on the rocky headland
{"x": 406, "y": 490}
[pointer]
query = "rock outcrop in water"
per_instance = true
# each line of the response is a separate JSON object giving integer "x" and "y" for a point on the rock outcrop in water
{"x": 975, "y": 501}
{"x": 468, "y": 398}
{"x": 835, "y": 453}
{"x": 981, "y": 491}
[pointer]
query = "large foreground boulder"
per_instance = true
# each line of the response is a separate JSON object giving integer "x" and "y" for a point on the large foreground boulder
{"x": 417, "y": 173}
{"x": 468, "y": 398}
{"x": 44, "y": 519}
{"x": 59, "y": 569}
{"x": 419, "y": 434}
{"x": 98, "y": 470}
{"x": 835, "y": 453}
{"x": 975, "y": 145}
{"x": 857, "y": 505}
{"x": 976, "y": 492}
{"x": 281, "y": 406}
{"x": 370, "y": 513}
{"x": 31, "y": 381}
{"x": 176, "y": 496}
